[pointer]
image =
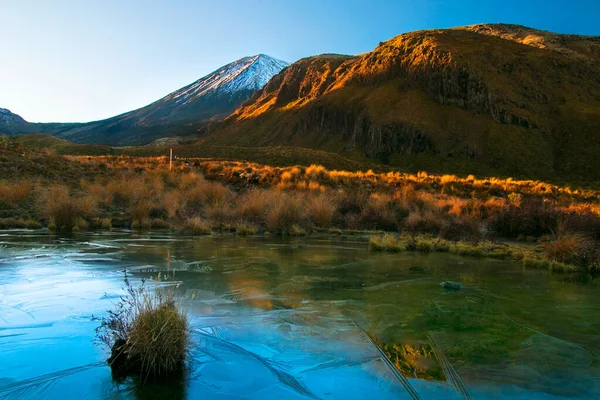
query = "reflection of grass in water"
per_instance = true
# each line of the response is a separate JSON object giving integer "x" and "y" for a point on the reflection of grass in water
{"x": 471, "y": 327}
{"x": 386, "y": 360}
{"x": 415, "y": 361}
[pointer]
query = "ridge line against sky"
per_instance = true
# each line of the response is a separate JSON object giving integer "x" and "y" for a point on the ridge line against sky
{"x": 78, "y": 61}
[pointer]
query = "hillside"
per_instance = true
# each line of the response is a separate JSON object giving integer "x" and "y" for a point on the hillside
{"x": 214, "y": 96}
{"x": 12, "y": 124}
{"x": 487, "y": 99}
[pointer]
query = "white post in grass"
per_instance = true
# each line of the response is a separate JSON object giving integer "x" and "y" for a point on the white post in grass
{"x": 171, "y": 159}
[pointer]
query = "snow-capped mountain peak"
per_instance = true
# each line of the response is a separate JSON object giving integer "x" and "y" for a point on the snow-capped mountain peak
{"x": 214, "y": 96}
{"x": 245, "y": 74}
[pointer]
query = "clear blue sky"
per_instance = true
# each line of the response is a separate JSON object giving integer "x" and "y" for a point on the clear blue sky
{"x": 80, "y": 60}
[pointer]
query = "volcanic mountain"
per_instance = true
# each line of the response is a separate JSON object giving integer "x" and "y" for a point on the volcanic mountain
{"x": 214, "y": 96}
{"x": 488, "y": 99}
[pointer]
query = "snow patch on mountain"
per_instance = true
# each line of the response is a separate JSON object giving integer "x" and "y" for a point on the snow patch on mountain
{"x": 246, "y": 74}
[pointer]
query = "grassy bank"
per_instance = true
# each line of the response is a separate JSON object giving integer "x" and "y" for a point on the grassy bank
{"x": 567, "y": 253}
{"x": 199, "y": 195}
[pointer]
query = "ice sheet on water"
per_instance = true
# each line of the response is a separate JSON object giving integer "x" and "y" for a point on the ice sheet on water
{"x": 310, "y": 352}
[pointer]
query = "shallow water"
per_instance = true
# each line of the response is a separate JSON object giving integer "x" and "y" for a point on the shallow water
{"x": 298, "y": 318}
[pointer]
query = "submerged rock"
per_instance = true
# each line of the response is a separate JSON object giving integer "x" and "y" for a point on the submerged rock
{"x": 451, "y": 285}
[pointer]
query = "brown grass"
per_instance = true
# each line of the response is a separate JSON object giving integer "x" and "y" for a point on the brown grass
{"x": 14, "y": 193}
{"x": 321, "y": 210}
{"x": 198, "y": 226}
{"x": 147, "y": 333}
{"x": 571, "y": 248}
{"x": 284, "y": 213}
{"x": 57, "y": 204}
{"x": 143, "y": 192}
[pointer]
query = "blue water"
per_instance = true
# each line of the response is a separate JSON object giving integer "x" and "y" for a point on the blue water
{"x": 276, "y": 318}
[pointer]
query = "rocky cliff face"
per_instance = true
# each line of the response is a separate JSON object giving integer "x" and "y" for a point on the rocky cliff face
{"x": 511, "y": 98}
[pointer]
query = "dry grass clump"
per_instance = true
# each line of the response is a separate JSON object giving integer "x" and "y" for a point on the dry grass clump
{"x": 316, "y": 172}
{"x": 244, "y": 229}
{"x": 321, "y": 210}
{"x": 198, "y": 226}
{"x": 172, "y": 203}
{"x": 139, "y": 212}
{"x": 19, "y": 223}
{"x": 99, "y": 192}
{"x": 147, "y": 333}
{"x": 14, "y": 193}
{"x": 205, "y": 194}
{"x": 58, "y": 205}
{"x": 572, "y": 248}
{"x": 285, "y": 214}
{"x": 382, "y": 212}
{"x": 253, "y": 205}
{"x": 423, "y": 221}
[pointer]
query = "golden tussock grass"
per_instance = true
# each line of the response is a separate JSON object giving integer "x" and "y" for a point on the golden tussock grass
{"x": 321, "y": 210}
{"x": 285, "y": 212}
{"x": 141, "y": 191}
{"x": 147, "y": 333}
{"x": 57, "y": 204}
{"x": 14, "y": 193}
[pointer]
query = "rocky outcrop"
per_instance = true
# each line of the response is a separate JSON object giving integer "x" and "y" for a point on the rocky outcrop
{"x": 358, "y": 130}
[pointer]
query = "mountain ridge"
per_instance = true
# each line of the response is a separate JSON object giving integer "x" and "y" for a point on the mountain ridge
{"x": 492, "y": 98}
{"x": 213, "y": 96}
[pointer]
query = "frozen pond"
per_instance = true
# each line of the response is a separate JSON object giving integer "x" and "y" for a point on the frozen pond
{"x": 298, "y": 318}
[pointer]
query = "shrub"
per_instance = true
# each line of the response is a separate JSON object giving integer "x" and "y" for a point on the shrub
{"x": 139, "y": 210}
{"x": 381, "y": 213}
{"x": 387, "y": 242}
{"x": 198, "y": 226}
{"x": 209, "y": 194}
{"x": 353, "y": 201}
{"x": 147, "y": 333}
{"x": 143, "y": 223}
{"x": 316, "y": 171}
{"x": 296, "y": 230}
{"x": 244, "y": 229}
{"x": 171, "y": 202}
{"x": 253, "y": 205}
{"x": 423, "y": 222}
{"x": 321, "y": 210}
{"x": 81, "y": 224}
{"x": 100, "y": 193}
{"x": 460, "y": 228}
{"x": 56, "y": 204}
{"x": 219, "y": 212}
{"x": 532, "y": 217}
{"x": 571, "y": 248}
{"x": 284, "y": 213}
{"x": 14, "y": 193}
